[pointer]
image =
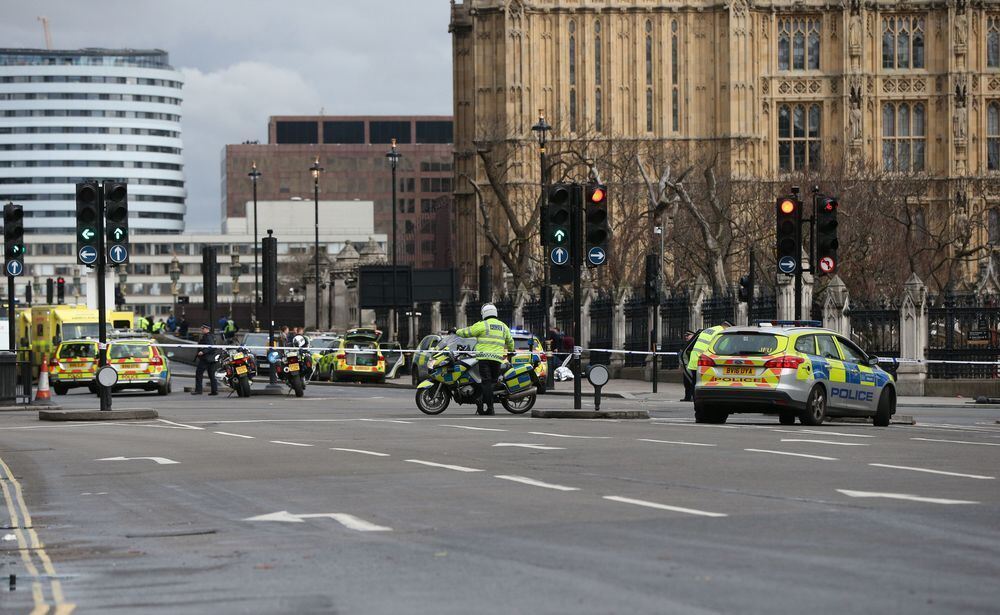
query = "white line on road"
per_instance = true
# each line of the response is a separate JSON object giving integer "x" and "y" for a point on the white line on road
{"x": 674, "y": 442}
{"x": 902, "y": 496}
{"x": 689, "y": 511}
{"x": 824, "y": 433}
{"x": 358, "y": 450}
{"x": 535, "y": 483}
{"x": 956, "y": 441}
{"x": 540, "y": 447}
{"x": 761, "y": 450}
{"x": 235, "y": 435}
{"x": 473, "y": 428}
{"x": 181, "y": 425}
{"x": 560, "y": 435}
{"x": 929, "y": 471}
{"x": 824, "y": 442}
{"x": 386, "y": 421}
{"x": 443, "y": 465}
{"x": 163, "y": 461}
{"x": 353, "y": 523}
{"x": 289, "y": 443}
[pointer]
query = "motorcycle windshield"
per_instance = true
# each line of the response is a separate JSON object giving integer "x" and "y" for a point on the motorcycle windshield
{"x": 457, "y": 344}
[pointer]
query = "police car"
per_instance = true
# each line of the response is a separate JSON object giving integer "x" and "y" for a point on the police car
{"x": 527, "y": 347}
{"x": 794, "y": 369}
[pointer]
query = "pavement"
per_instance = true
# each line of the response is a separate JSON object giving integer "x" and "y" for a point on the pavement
{"x": 349, "y": 500}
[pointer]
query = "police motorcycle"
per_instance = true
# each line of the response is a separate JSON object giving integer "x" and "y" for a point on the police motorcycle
{"x": 294, "y": 367}
{"x": 454, "y": 376}
{"x": 236, "y": 369}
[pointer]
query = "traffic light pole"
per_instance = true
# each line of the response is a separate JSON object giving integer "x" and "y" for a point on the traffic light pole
{"x": 102, "y": 325}
{"x": 798, "y": 262}
{"x": 11, "y": 316}
{"x": 576, "y": 255}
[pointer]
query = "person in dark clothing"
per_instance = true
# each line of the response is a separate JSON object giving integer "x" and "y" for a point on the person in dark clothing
{"x": 182, "y": 327}
{"x": 205, "y": 362}
{"x": 554, "y": 340}
{"x": 689, "y": 376}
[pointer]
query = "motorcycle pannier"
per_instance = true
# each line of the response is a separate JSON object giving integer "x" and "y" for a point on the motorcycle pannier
{"x": 518, "y": 378}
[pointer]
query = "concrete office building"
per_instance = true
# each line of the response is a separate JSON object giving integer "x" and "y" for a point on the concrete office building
{"x": 70, "y": 115}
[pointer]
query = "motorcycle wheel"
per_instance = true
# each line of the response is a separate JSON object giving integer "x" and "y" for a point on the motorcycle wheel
{"x": 296, "y": 383}
{"x": 518, "y": 406}
{"x": 433, "y": 400}
{"x": 243, "y": 389}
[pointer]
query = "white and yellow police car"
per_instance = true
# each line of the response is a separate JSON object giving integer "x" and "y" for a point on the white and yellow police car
{"x": 794, "y": 369}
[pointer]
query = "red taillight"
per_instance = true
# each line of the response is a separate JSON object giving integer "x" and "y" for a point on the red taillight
{"x": 341, "y": 357}
{"x": 706, "y": 361}
{"x": 156, "y": 361}
{"x": 785, "y": 362}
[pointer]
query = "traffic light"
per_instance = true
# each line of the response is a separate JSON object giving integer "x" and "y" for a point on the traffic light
{"x": 88, "y": 209}
{"x": 13, "y": 239}
{"x": 652, "y": 287}
{"x": 745, "y": 292}
{"x": 61, "y": 289}
{"x": 27, "y": 293}
{"x": 116, "y": 225}
{"x": 269, "y": 262}
{"x": 789, "y": 234}
{"x": 826, "y": 234}
{"x": 559, "y": 218}
{"x": 50, "y": 291}
{"x": 209, "y": 276}
{"x": 596, "y": 230}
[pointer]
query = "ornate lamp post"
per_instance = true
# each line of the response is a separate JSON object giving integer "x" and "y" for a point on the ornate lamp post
{"x": 315, "y": 169}
{"x": 175, "y": 277}
{"x": 394, "y": 157}
{"x": 254, "y": 175}
{"x": 234, "y": 273}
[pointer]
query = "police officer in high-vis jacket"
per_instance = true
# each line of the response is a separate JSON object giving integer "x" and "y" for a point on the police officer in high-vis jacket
{"x": 493, "y": 343}
{"x": 701, "y": 342}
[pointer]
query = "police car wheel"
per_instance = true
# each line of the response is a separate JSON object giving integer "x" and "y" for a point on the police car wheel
{"x": 786, "y": 418}
{"x": 60, "y": 389}
{"x": 815, "y": 411}
{"x": 886, "y": 408}
{"x": 705, "y": 413}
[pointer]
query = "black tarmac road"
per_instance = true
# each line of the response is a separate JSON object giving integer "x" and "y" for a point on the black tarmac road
{"x": 351, "y": 501}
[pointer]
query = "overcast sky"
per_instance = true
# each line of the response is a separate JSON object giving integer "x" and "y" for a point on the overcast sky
{"x": 245, "y": 60}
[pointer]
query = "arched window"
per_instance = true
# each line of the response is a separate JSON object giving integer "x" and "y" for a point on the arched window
{"x": 993, "y": 136}
{"x": 993, "y": 42}
{"x": 597, "y": 53}
{"x": 799, "y": 137}
{"x": 649, "y": 76}
{"x": 572, "y": 76}
{"x": 798, "y": 43}
{"x": 904, "y": 137}
{"x": 675, "y": 98}
{"x": 903, "y": 41}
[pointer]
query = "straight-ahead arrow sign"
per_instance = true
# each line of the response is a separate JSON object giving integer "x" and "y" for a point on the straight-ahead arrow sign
{"x": 349, "y": 521}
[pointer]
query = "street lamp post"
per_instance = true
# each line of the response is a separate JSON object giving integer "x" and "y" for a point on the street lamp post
{"x": 175, "y": 277}
{"x": 394, "y": 157}
{"x": 541, "y": 130}
{"x": 254, "y": 175}
{"x": 234, "y": 273}
{"x": 315, "y": 169}
{"x": 76, "y": 285}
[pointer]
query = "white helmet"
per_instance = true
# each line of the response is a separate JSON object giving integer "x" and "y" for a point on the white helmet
{"x": 299, "y": 341}
{"x": 488, "y": 310}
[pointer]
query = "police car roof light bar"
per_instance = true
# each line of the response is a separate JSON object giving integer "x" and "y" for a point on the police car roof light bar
{"x": 788, "y": 323}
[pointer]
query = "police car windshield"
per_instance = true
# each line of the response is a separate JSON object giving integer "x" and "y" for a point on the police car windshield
{"x": 748, "y": 343}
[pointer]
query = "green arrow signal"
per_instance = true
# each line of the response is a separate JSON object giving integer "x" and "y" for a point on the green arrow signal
{"x": 87, "y": 234}
{"x": 119, "y": 233}
{"x": 559, "y": 236}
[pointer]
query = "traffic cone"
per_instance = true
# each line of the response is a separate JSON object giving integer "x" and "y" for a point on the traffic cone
{"x": 42, "y": 396}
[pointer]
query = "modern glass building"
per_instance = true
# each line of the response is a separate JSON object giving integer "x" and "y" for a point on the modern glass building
{"x": 71, "y": 115}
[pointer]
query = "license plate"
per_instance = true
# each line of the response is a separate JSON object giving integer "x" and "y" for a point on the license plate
{"x": 740, "y": 371}
{"x": 293, "y": 367}
{"x": 241, "y": 369}
{"x": 238, "y": 355}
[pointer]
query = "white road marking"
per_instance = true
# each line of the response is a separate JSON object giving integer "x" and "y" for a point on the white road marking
{"x": 824, "y": 433}
{"x": 535, "y": 483}
{"x": 540, "y": 447}
{"x": 358, "y": 450}
{"x": 689, "y": 511}
{"x": 289, "y": 443}
{"x": 235, "y": 435}
{"x": 956, "y": 441}
{"x": 691, "y": 424}
{"x": 386, "y": 421}
{"x": 824, "y": 442}
{"x": 560, "y": 435}
{"x": 473, "y": 428}
{"x": 902, "y": 496}
{"x": 181, "y": 425}
{"x": 761, "y": 450}
{"x": 163, "y": 461}
{"x": 443, "y": 465}
{"x": 929, "y": 471}
{"x": 674, "y": 442}
{"x": 349, "y": 521}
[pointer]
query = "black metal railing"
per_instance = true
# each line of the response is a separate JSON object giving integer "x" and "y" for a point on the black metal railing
{"x": 505, "y": 309}
{"x": 719, "y": 308}
{"x": 675, "y": 319}
{"x": 765, "y": 307}
{"x": 564, "y": 316}
{"x": 636, "y": 329}
{"x": 602, "y": 309}
{"x": 533, "y": 315}
{"x": 963, "y": 328}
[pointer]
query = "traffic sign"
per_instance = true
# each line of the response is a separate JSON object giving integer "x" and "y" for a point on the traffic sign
{"x": 118, "y": 254}
{"x": 827, "y": 264}
{"x": 559, "y": 236}
{"x": 88, "y": 255}
{"x": 786, "y": 265}
{"x": 560, "y": 256}
{"x": 15, "y": 268}
{"x": 87, "y": 234}
{"x": 597, "y": 255}
{"x": 119, "y": 233}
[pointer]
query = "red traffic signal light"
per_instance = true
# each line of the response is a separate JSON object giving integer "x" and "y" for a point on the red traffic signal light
{"x": 60, "y": 280}
{"x": 830, "y": 205}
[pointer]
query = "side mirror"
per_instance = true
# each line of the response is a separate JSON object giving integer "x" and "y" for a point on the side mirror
{"x": 170, "y": 355}
{"x": 872, "y": 361}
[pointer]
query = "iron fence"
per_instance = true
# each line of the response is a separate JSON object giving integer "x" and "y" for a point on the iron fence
{"x": 963, "y": 328}
{"x": 636, "y": 329}
{"x": 719, "y": 308}
{"x": 564, "y": 316}
{"x": 505, "y": 309}
{"x": 473, "y": 310}
{"x": 765, "y": 307}
{"x": 448, "y": 316}
{"x": 424, "y": 321}
{"x": 675, "y": 318}
{"x": 602, "y": 309}
{"x": 533, "y": 315}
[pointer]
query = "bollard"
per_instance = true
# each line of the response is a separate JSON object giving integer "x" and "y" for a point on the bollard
{"x": 598, "y": 376}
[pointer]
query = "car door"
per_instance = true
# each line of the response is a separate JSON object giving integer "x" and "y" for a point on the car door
{"x": 835, "y": 371}
{"x": 860, "y": 377}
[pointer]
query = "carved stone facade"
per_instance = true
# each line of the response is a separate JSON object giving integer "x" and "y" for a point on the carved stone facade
{"x": 796, "y": 82}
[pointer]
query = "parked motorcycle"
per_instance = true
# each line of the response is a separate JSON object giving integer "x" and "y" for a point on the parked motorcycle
{"x": 237, "y": 369}
{"x": 454, "y": 376}
{"x": 293, "y": 367}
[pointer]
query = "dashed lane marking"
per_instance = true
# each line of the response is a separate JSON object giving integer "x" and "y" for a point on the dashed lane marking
{"x": 824, "y": 433}
{"x": 540, "y": 447}
{"x": 363, "y": 452}
{"x": 443, "y": 465}
{"x": 387, "y": 421}
{"x": 235, "y": 435}
{"x": 561, "y": 435}
{"x": 762, "y": 450}
{"x": 956, "y": 441}
{"x": 929, "y": 471}
{"x": 902, "y": 496}
{"x": 474, "y": 428}
{"x": 535, "y": 483}
{"x": 824, "y": 442}
{"x": 658, "y": 506}
{"x": 289, "y": 443}
{"x": 180, "y": 425}
{"x": 674, "y": 442}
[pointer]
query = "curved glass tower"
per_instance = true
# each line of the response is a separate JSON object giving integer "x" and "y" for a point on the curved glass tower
{"x": 71, "y": 115}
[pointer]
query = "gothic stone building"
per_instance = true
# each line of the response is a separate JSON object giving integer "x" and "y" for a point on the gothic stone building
{"x": 913, "y": 85}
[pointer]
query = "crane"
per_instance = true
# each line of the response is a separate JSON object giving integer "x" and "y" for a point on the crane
{"x": 48, "y": 35}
